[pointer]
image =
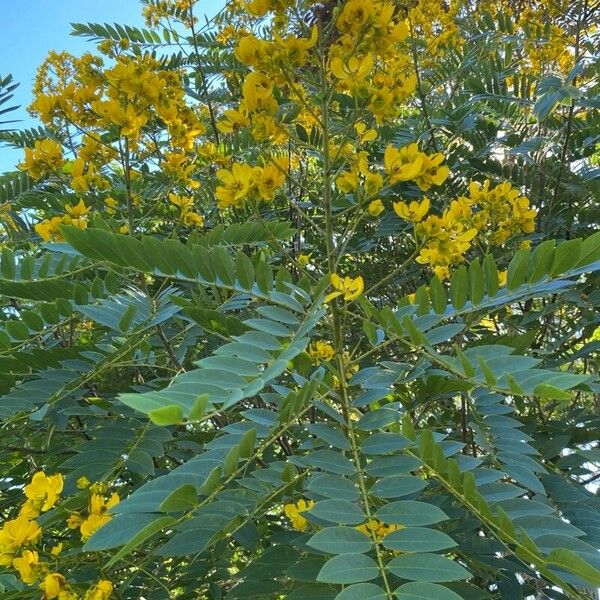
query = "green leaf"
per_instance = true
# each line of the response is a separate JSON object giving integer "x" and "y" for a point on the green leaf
{"x": 384, "y": 443}
{"x": 340, "y": 540}
{"x": 410, "y": 512}
{"x": 333, "y": 486}
{"x": 551, "y": 392}
{"x": 459, "y": 288}
{"x": 362, "y": 591}
{"x": 183, "y": 498}
{"x": 490, "y": 271}
{"x": 397, "y": 486}
{"x": 166, "y": 415}
{"x": 338, "y": 511}
{"x": 245, "y": 270}
{"x": 331, "y": 461}
{"x": 425, "y": 591}
{"x": 417, "y": 539}
{"x": 568, "y": 560}
{"x": 127, "y": 318}
{"x": 517, "y": 269}
{"x": 566, "y": 256}
{"x": 437, "y": 295}
{"x": 541, "y": 261}
{"x": 246, "y": 445}
{"x": 476, "y": 282}
{"x": 139, "y": 538}
{"x": 590, "y": 250}
{"x": 348, "y": 568}
{"x": 427, "y": 567}
{"x": 199, "y": 408}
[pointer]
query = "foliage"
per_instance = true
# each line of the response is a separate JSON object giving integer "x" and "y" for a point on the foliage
{"x": 303, "y": 303}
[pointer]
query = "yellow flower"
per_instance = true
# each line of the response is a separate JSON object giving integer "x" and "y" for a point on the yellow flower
{"x": 112, "y": 501}
{"x": 354, "y": 15}
{"x": 52, "y": 585}
{"x": 257, "y": 90}
{"x": 258, "y": 8}
{"x": 74, "y": 521}
{"x": 56, "y": 549}
{"x": 193, "y": 219}
{"x": 354, "y": 70}
{"x": 98, "y": 487}
{"x": 347, "y": 182}
{"x": 403, "y": 164}
{"x": 18, "y": 532}
{"x": 415, "y": 211}
{"x": 270, "y": 179}
{"x": 97, "y": 504}
{"x": 320, "y": 350}
{"x": 373, "y": 183}
{"x": 292, "y": 512}
{"x": 77, "y": 213}
{"x": 502, "y": 275}
{"x": 303, "y": 259}
{"x": 250, "y": 50}
{"x": 44, "y": 158}
{"x": 83, "y": 483}
{"x": 44, "y": 490}
{"x": 364, "y": 134}
{"x": 101, "y": 591}
{"x": 178, "y": 166}
{"x": 233, "y": 120}
{"x": 292, "y": 50}
{"x": 375, "y": 528}
{"x": 29, "y": 509}
{"x": 375, "y": 207}
{"x": 111, "y": 204}
{"x": 432, "y": 172}
{"x": 236, "y": 184}
{"x": 184, "y": 203}
{"x": 26, "y": 564}
{"x": 348, "y": 287}
{"x": 441, "y": 272}
{"x": 90, "y": 525}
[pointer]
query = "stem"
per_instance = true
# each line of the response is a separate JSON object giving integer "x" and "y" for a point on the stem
{"x": 338, "y": 332}
{"x": 424, "y": 110}
{"x": 569, "y": 127}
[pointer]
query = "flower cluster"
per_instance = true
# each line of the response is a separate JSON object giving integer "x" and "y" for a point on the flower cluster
{"x": 321, "y": 351}
{"x": 503, "y": 210}
{"x": 45, "y": 158}
{"x": 411, "y": 164}
{"x": 492, "y": 214}
{"x": 187, "y": 215}
{"x": 368, "y": 61}
{"x": 129, "y": 98}
{"x": 76, "y": 216}
{"x": 242, "y": 182}
{"x": 21, "y": 544}
{"x": 98, "y": 505}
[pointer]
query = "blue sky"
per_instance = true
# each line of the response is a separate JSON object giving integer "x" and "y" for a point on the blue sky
{"x": 33, "y": 27}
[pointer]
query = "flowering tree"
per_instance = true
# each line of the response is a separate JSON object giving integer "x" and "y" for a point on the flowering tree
{"x": 301, "y": 303}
